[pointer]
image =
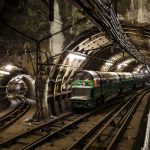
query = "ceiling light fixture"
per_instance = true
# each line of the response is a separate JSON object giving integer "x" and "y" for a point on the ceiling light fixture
{"x": 108, "y": 63}
{"x": 4, "y": 72}
{"x": 8, "y": 67}
{"x": 78, "y": 56}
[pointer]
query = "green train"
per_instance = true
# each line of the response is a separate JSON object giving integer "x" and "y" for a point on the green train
{"x": 91, "y": 88}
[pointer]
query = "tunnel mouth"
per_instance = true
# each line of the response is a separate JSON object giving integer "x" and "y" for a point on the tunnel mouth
{"x": 16, "y": 87}
{"x": 21, "y": 85}
{"x": 16, "y": 81}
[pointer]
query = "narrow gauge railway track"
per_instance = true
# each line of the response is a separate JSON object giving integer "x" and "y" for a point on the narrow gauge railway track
{"x": 74, "y": 130}
{"x": 54, "y": 140}
{"x": 64, "y": 125}
{"x": 22, "y": 107}
{"x": 51, "y": 128}
{"x": 106, "y": 133}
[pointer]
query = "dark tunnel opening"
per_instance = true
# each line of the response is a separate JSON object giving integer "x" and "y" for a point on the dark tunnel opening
{"x": 21, "y": 85}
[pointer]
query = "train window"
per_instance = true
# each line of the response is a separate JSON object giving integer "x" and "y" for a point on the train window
{"x": 81, "y": 92}
{"x": 117, "y": 80}
{"x": 98, "y": 82}
{"x": 83, "y": 76}
{"x": 111, "y": 81}
{"x": 104, "y": 81}
{"x": 123, "y": 78}
{"x": 78, "y": 76}
{"x": 87, "y": 76}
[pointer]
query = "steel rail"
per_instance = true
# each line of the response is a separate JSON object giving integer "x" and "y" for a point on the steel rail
{"x": 120, "y": 126}
{"x": 82, "y": 139}
{"x": 70, "y": 125}
{"x": 127, "y": 118}
{"x": 8, "y": 119}
{"x": 12, "y": 140}
{"x": 50, "y": 136}
{"x": 108, "y": 118}
{"x": 50, "y": 128}
{"x": 12, "y": 110}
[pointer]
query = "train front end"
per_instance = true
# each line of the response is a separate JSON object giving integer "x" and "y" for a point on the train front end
{"x": 82, "y": 91}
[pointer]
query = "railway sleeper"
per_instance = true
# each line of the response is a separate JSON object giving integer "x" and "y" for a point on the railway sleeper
{"x": 7, "y": 145}
{"x": 1, "y": 124}
{"x": 46, "y": 129}
{"x": 19, "y": 111}
{"x": 121, "y": 114}
{"x": 12, "y": 116}
{"x": 113, "y": 123}
{"x": 57, "y": 125}
{"x": 60, "y": 135}
{"x": 101, "y": 139}
{"x": 22, "y": 141}
{"x": 24, "y": 107}
{"x": 68, "y": 119}
{"x": 74, "y": 126}
{"x": 63, "y": 133}
{"x": 67, "y": 132}
{"x": 39, "y": 133}
{"x": 86, "y": 120}
{"x": 53, "y": 128}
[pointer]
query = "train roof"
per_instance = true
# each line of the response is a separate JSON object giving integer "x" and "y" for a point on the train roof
{"x": 116, "y": 75}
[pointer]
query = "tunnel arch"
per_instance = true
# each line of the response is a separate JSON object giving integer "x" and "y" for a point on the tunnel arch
{"x": 5, "y": 79}
{"x": 94, "y": 43}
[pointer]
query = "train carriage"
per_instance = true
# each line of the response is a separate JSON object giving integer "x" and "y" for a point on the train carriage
{"x": 91, "y": 88}
{"x": 139, "y": 79}
{"x": 82, "y": 89}
{"x": 109, "y": 84}
{"x": 126, "y": 81}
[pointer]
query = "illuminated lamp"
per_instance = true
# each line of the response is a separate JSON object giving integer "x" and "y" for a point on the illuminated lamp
{"x": 119, "y": 66}
{"x": 78, "y": 56}
{"x": 4, "y": 72}
{"x": 8, "y": 67}
{"x": 124, "y": 64}
{"x": 108, "y": 63}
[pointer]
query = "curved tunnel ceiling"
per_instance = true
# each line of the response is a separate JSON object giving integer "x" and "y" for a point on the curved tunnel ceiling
{"x": 99, "y": 52}
{"x": 9, "y": 72}
{"x": 103, "y": 16}
{"x": 100, "y": 47}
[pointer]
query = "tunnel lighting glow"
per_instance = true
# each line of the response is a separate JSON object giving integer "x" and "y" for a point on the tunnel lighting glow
{"x": 76, "y": 56}
{"x": 8, "y": 67}
{"x": 4, "y": 72}
{"x": 134, "y": 71}
{"x": 146, "y": 71}
{"x": 124, "y": 64}
{"x": 119, "y": 66}
{"x": 108, "y": 63}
